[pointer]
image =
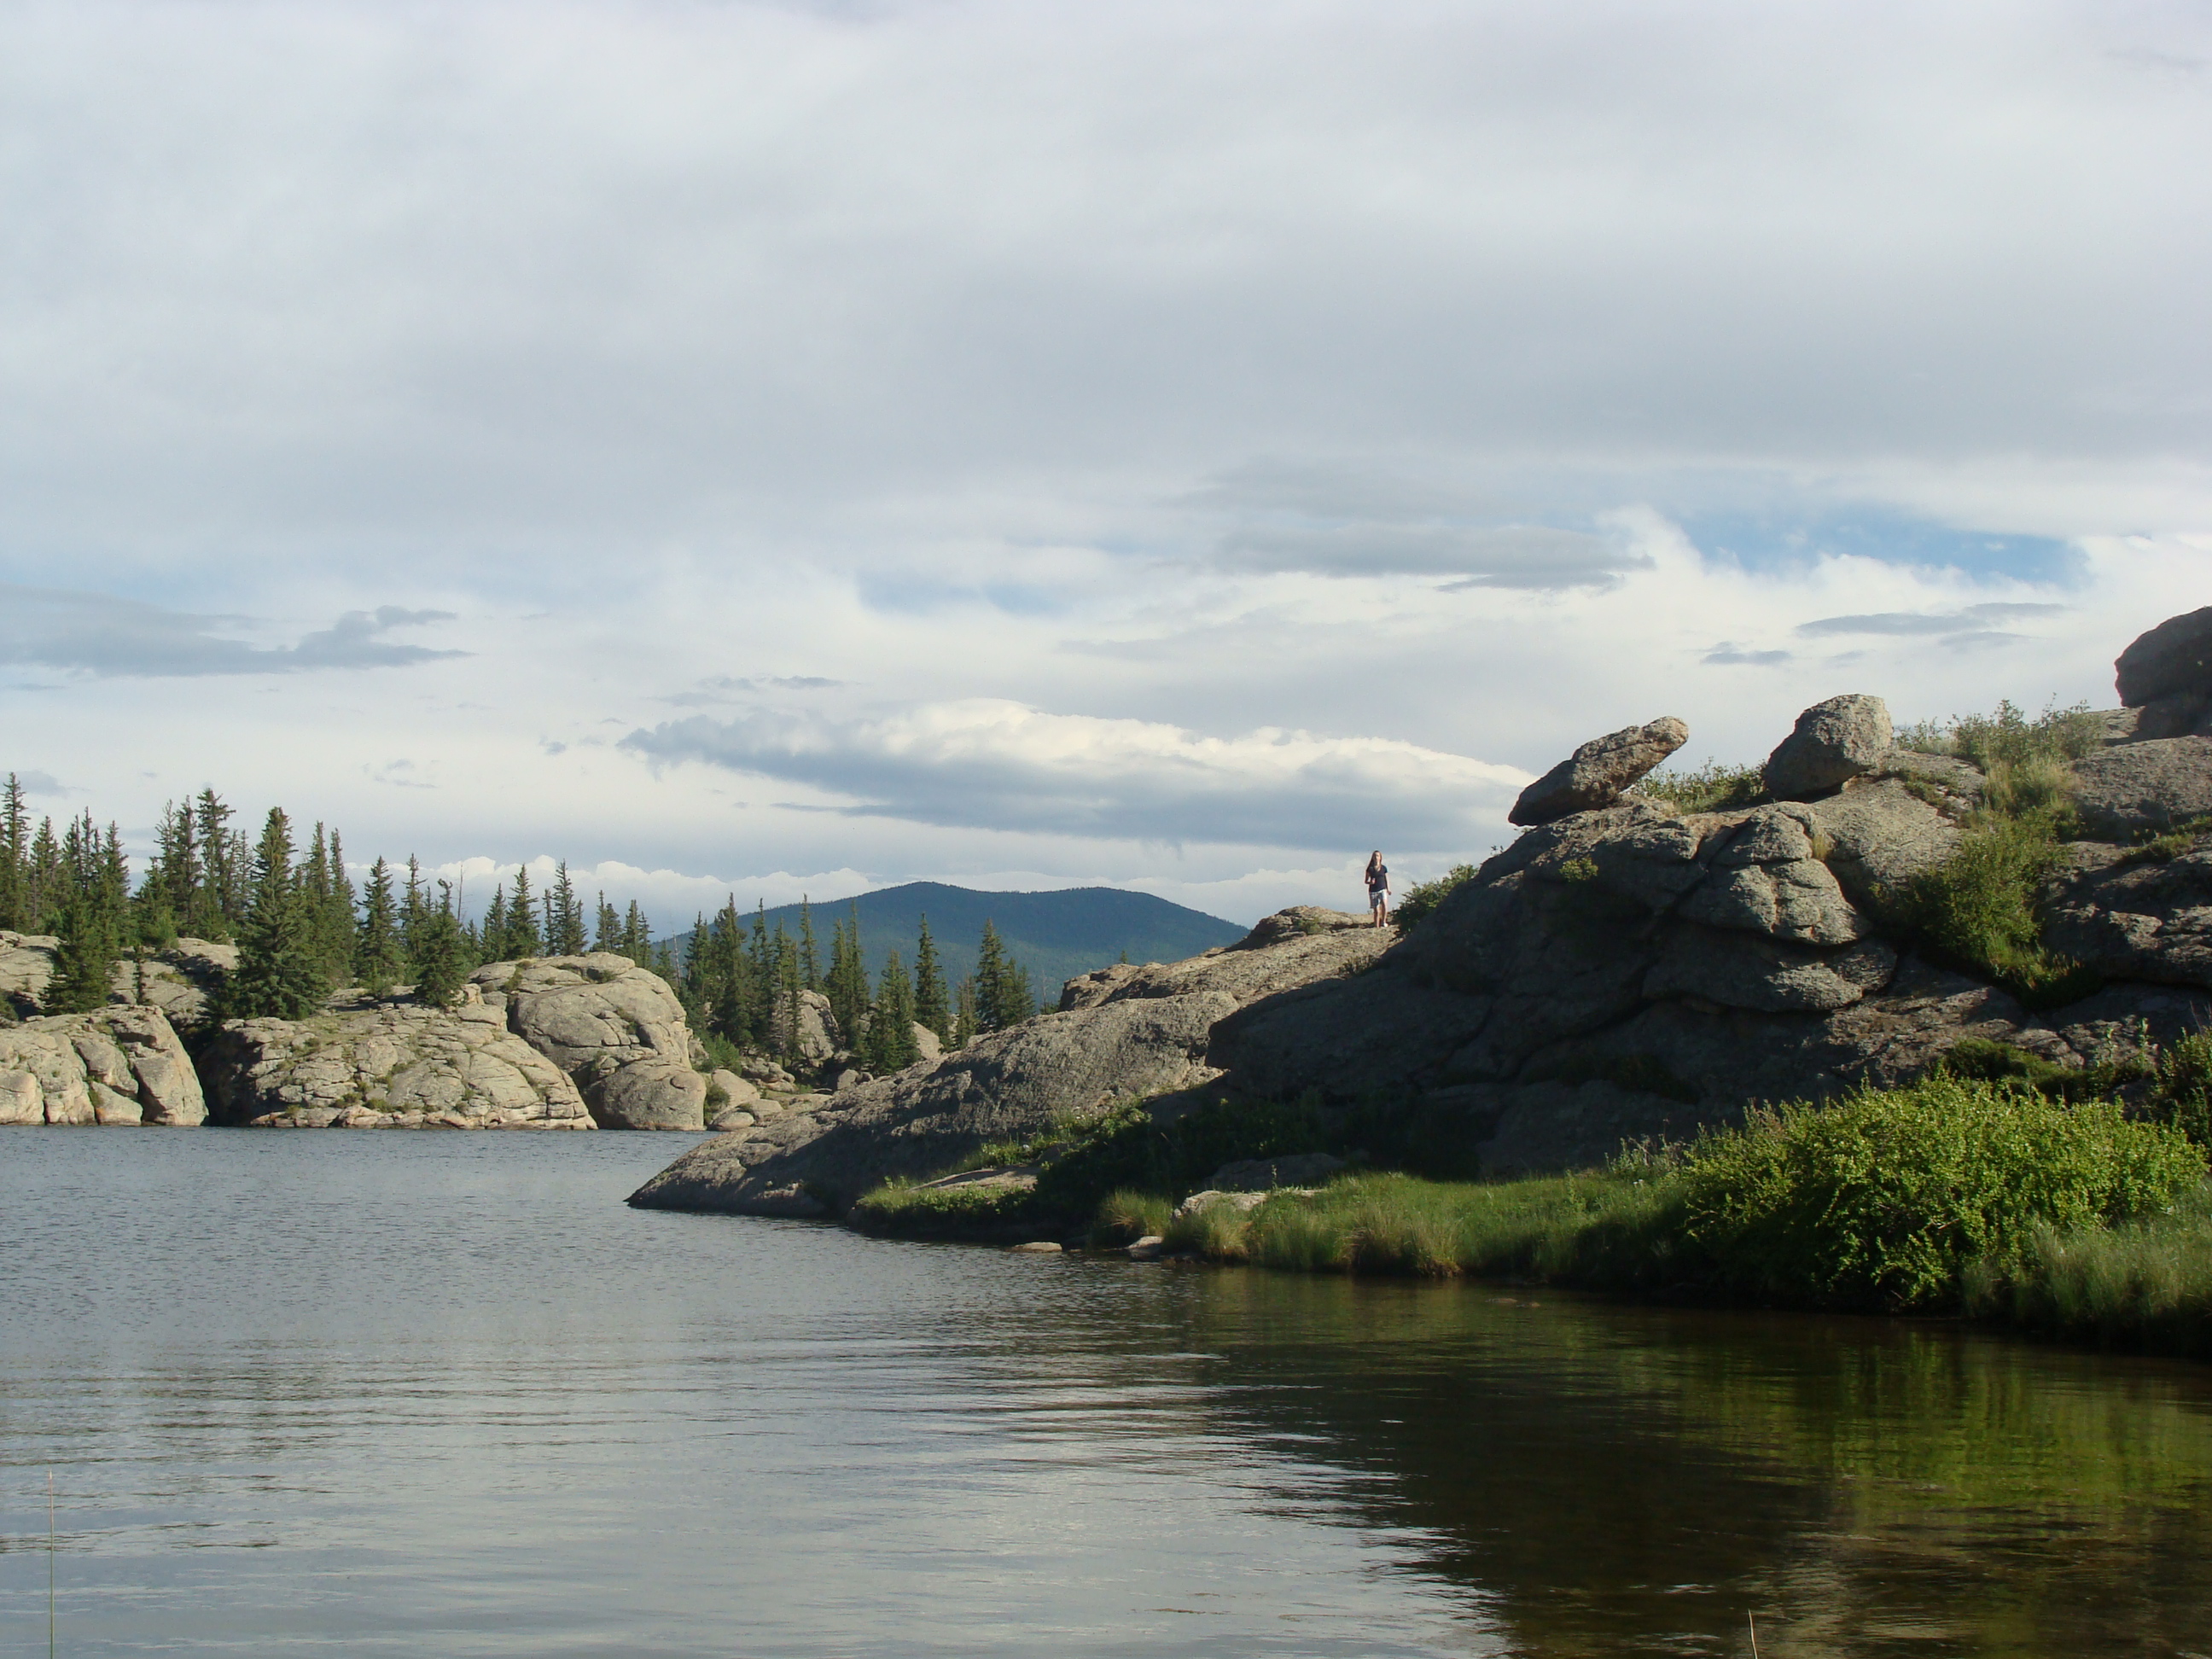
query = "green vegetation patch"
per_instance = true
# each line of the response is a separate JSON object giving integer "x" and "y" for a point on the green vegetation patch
{"x": 2010, "y": 736}
{"x": 1712, "y": 788}
{"x": 975, "y": 1211}
{"x": 1883, "y": 1199}
{"x": 1421, "y": 899}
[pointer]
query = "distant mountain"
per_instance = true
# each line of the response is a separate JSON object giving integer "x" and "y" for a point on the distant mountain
{"x": 1054, "y": 935}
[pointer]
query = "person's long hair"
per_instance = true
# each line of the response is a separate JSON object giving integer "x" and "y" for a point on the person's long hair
{"x": 1374, "y": 863}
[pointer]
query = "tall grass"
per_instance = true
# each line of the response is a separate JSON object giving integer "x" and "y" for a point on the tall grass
{"x": 2147, "y": 1284}
{"x": 1712, "y": 788}
{"x": 2009, "y": 735}
{"x": 1883, "y": 1200}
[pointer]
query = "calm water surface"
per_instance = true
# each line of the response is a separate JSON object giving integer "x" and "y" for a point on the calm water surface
{"x": 446, "y": 1394}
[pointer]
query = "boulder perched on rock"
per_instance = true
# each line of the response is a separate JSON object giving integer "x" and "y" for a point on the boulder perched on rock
{"x": 392, "y": 1063}
{"x": 1125, "y": 1030}
{"x": 2173, "y": 659}
{"x": 616, "y": 1029}
{"x": 113, "y": 1066}
{"x": 1833, "y": 741}
{"x": 1595, "y": 774}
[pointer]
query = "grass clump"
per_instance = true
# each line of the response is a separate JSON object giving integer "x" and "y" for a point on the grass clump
{"x": 1130, "y": 1149}
{"x": 2146, "y": 1283}
{"x": 1125, "y": 1215}
{"x": 1712, "y": 788}
{"x": 1420, "y": 900}
{"x": 900, "y": 1208}
{"x": 1886, "y": 1199}
{"x": 1882, "y": 1200}
{"x": 2164, "y": 849}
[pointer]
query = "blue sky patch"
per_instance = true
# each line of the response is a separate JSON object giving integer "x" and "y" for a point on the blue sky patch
{"x": 1779, "y": 541}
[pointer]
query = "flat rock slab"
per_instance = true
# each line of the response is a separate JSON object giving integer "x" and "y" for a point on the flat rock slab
{"x": 2136, "y": 789}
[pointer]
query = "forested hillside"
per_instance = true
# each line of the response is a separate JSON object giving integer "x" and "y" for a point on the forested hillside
{"x": 1054, "y": 935}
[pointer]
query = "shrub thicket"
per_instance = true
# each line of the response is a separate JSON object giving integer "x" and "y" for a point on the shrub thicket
{"x": 1881, "y": 1200}
{"x": 1419, "y": 901}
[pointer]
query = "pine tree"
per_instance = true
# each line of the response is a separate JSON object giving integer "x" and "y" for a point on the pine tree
{"x": 439, "y": 966}
{"x": 42, "y": 885}
{"x": 786, "y": 984}
{"x": 279, "y": 973}
{"x": 891, "y": 1045}
{"x": 94, "y": 885}
{"x": 929, "y": 1006}
{"x": 14, "y": 848}
{"x": 1003, "y": 994}
{"x": 609, "y": 936}
{"x": 377, "y": 963}
{"x": 218, "y": 903}
{"x": 522, "y": 939}
{"x": 564, "y": 916}
{"x": 963, "y": 1017}
{"x": 414, "y": 910}
{"x": 728, "y": 988}
{"x": 847, "y": 984}
{"x": 339, "y": 928}
{"x": 637, "y": 936}
{"x": 810, "y": 966}
{"x": 494, "y": 935}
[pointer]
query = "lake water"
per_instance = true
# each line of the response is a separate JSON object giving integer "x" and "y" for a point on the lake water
{"x": 363, "y": 1393}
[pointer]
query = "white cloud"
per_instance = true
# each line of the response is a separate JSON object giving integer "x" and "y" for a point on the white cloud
{"x": 986, "y": 763}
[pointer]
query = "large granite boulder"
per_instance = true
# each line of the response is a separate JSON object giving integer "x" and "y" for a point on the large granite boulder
{"x": 2132, "y": 916}
{"x": 1596, "y": 774}
{"x": 113, "y": 1066}
{"x": 616, "y": 1029}
{"x": 2143, "y": 788}
{"x": 1833, "y": 743}
{"x": 2164, "y": 678}
{"x": 2173, "y": 659}
{"x": 369, "y": 1063}
{"x": 1125, "y": 1031}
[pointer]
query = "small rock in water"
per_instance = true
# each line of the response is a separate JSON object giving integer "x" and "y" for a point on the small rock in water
{"x": 1148, "y": 1247}
{"x": 1035, "y": 1247}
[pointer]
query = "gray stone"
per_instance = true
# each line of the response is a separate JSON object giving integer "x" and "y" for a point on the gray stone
{"x": 2174, "y": 658}
{"x": 1127, "y": 1032}
{"x": 1879, "y": 834}
{"x": 1736, "y": 970}
{"x": 1243, "y": 1202}
{"x": 616, "y": 1030}
{"x": 1035, "y": 1247}
{"x": 1835, "y": 741}
{"x": 2185, "y": 715}
{"x": 1259, "y": 1174}
{"x": 2143, "y": 788}
{"x": 736, "y": 1091}
{"x": 1595, "y": 774}
{"x": 2132, "y": 917}
{"x": 113, "y": 1066}
{"x": 395, "y": 1057}
{"x": 732, "y": 1117}
{"x": 1147, "y": 1249}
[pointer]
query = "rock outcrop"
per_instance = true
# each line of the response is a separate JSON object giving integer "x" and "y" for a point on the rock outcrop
{"x": 114, "y": 1066}
{"x": 614, "y": 1028}
{"x": 2165, "y": 677}
{"x": 1125, "y": 1030}
{"x": 2144, "y": 787}
{"x": 1834, "y": 742}
{"x": 1596, "y": 774}
{"x": 179, "y": 981}
{"x": 392, "y": 1063}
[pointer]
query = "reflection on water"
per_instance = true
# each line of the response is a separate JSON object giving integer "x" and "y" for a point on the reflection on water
{"x": 416, "y": 1394}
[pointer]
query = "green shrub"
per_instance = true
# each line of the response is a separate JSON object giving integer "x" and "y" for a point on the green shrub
{"x": 1712, "y": 788}
{"x": 722, "y": 1054}
{"x": 1422, "y": 898}
{"x": 1978, "y": 909}
{"x": 2164, "y": 849}
{"x": 2184, "y": 1086}
{"x": 1882, "y": 1199}
{"x": 2010, "y": 736}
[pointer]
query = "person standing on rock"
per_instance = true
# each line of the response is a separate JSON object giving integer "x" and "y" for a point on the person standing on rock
{"x": 1378, "y": 889}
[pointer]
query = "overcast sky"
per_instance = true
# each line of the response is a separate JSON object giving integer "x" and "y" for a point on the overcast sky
{"x": 782, "y": 447}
